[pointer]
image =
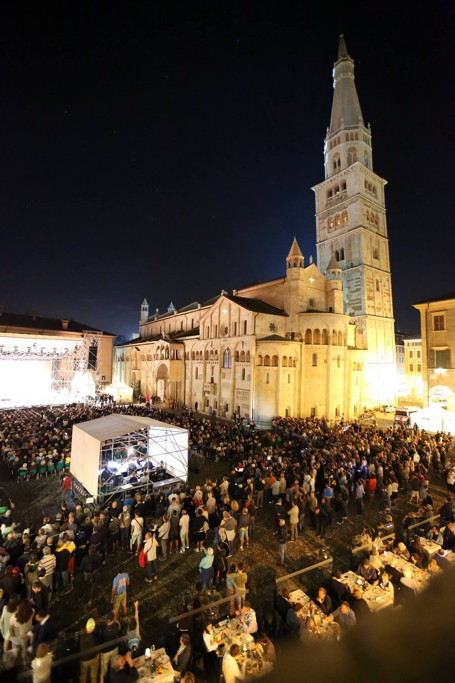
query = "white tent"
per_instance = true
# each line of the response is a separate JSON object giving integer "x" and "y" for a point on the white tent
{"x": 434, "y": 419}
{"x": 166, "y": 443}
{"x": 121, "y": 392}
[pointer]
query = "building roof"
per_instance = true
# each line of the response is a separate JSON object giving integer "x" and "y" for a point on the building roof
{"x": 110, "y": 426}
{"x": 441, "y": 297}
{"x": 255, "y": 305}
{"x": 37, "y": 322}
{"x": 295, "y": 250}
{"x": 346, "y": 109}
{"x": 276, "y": 337}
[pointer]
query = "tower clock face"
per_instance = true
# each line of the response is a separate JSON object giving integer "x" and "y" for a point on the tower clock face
{"x": 272, "y": 327}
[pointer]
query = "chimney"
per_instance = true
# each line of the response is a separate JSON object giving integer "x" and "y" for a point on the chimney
{"x": 65, "y": 324}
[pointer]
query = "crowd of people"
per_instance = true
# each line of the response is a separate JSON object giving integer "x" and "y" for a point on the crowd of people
{"x": 307, "y": 475}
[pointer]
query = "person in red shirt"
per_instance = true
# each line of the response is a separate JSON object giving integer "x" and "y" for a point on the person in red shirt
{"x": 67, "y": 484}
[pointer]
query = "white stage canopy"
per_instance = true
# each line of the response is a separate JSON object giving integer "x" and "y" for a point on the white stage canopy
{"x": 166, "y": 443}
{"x": 434, "y": 419}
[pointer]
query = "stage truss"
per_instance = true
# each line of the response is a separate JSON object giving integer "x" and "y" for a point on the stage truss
{"x": 74, "y": 364}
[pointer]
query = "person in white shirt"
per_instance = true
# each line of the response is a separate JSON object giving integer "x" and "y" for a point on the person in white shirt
{"x": 41, "y": 665}
{"x": 230, "y": 668}
{"x": 184, "y": 524}
{"x": 137, "y": 527}
{"x": 150, "y": 546}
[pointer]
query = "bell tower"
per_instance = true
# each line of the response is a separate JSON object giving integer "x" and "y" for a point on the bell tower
{"x": 351, "y": 230}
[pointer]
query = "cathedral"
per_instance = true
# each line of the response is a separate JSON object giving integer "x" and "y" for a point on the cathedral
{"x": 318, "y": 341}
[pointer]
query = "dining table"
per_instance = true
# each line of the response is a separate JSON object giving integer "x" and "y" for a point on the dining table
{"x": 420, "y": 576}
{"x": 251, "y": 660}
{"x": 375, "y": 596}
{"x": 155, "y": 669}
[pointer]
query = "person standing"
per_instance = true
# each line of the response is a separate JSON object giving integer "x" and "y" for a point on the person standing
{"x": 282, "y": 535}
{"x": 41, "y": 665}
{"x": 163, "y": 536}
{"x": 46, "y": 568}
{"x": 184, "y": 524}
{"x": 125, "y": 526}
{"x": 89, "y": 663}
{"x": 66, "y": 488}
{"x": 359, "y": 493}
{"x": 150, "y": 548}
{"x": 111, "y": 631}
{"x": 137, "y": 528}
{"x": 118, "y": 595}
{"x": 294, "y": 521}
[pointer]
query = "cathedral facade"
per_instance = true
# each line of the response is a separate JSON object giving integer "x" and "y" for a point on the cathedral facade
{"x": 319, "y": 340}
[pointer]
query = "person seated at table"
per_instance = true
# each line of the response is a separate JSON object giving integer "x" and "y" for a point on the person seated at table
{"x": 388, "y": 527}
{"x": 416, "y": 547}
{"x": 387, "y": 586}
{"x": 211, "y": 645}
{"x": 323, "y": 601}
{"x": 408, "y": 582}
{"x": 182, "y": 657}
{"x": 449, "y": 537}
{"x": 267, "y": 649}
{"x": 402, "y": 551}
{"x": 357, "y": 602}
{"x": 337, "y": 590}
{"x": 283, "y": 603}
{"x": 230, "y": 667}
{"x": 433, "y": 568}
{"x": 416, "y": 560}
{"x": 375, "y": 560}
{"x": 295, "y": 617}
{"x": 344, "y": 615}
{"x": 435, "y": 535}
{"x": 123, "y": 669}
{"x": 247, "y": 618}
{"x": 367, "y": 571}
{"x": 442, "y": 560}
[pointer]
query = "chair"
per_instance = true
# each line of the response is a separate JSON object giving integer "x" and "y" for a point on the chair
{"x": 32, "y": 472}
{"x": 22, "y": 474}
{"x": 51, "y": 469}
{"x": 41, "y": 471}
{"x": 60, "y": 466}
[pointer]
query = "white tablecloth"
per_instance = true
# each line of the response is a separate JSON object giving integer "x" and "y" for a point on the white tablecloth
{"x": 420, "y": 576}
{"x": 143, "y": 667}
{"x": 299, "y": 596}
{"x": 375, "y": 597}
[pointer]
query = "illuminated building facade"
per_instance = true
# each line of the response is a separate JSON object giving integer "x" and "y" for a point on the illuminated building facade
{"x": 319, "y": 340}
{"x": 437, "y": 325}
{"x": 50, "y": 361}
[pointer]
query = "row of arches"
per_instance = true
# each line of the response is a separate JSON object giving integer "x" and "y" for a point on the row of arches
{"x": 318, "y": 337}
{"x": 338, "y": 220}
{"x": 273, "y": 361}
{"x": 239, "y": 356}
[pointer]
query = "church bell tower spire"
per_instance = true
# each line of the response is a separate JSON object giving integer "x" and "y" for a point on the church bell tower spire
{"x": 351, "y": 231}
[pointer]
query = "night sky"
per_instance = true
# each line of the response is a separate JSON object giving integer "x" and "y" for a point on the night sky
{"x": 168, "y": 150}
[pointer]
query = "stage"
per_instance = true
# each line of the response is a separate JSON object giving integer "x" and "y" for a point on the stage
{"x": 118, "y": 455}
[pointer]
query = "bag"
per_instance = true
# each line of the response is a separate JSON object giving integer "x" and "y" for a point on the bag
{"x": 142, "y": 558}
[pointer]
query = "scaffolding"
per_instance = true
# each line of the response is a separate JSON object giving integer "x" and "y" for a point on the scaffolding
{"x": 76, "y": 374}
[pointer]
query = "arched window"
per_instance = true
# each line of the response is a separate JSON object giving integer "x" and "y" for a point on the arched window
{"x": 196, "y": 373}
{"x": 378, "y": 286}
{"x": 242, "y": 356}
{"x": 275, "y": 361}
{"x": 227, "y": 359}
{"x": 308, "y": 337}
{"x": 337, "y": 254}
{"x": 245, "y": 327}
{"x": 248, "y": 357}
{"x": 314, "y": 360}
{"x": 352, "y": 156}
{"x": 316, "y": 337}
{"x": 294, "y": 363}
{"x": 206, "y": 355}
{"x": 237, "y": 357}
{"x": 325, "y": 337}
{"x": 334, "y": 338}
{"x": 336, "y": 161}
{"x": 243, "y": 373}
{"x": 193, "y": 355}
{"x": 331, "y": 223}
{"x": 211, "y": 355}
{"x": 284, "y": 362}
{"x": 338, "y": 361}
{"x": 289, "y": 379}
{"x": 375, "y": 252}
{"x": 344, "y": 216}
{"x": 338, "y": 219}
{"x": 341, "y": 254}
{"x": 267, "y": 378}
{"x": 260, "y": 360}
{"x": 267, "y": 360}
{"x": 340, "y": 339}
